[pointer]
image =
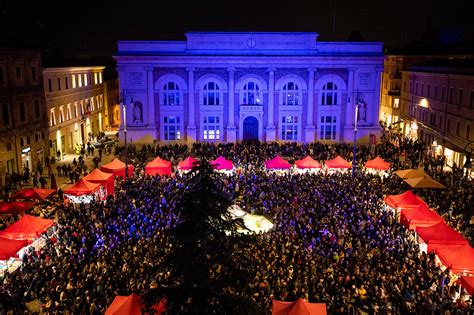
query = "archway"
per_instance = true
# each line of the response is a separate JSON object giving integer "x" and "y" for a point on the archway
{"x": 250, "y": 126}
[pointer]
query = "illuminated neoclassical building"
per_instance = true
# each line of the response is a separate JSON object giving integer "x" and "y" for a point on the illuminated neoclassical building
{"x": 237, "y": 86}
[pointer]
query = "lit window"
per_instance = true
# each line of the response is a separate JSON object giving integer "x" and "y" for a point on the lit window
{"x": 291, "y": 94}
{"x": 79, "y": 80}
{"x": 85, "y": 79}
{"x": 95, "y": 77}
{"x": 329, "y": 94}
{"x": 289, "y": 127}
{"x": 211, "y": 94}
{"x": 172, "y": 128}
{"x": 68, "y": 114}
{"x": 171, "y": 94}
{"x": 396, "y": 103}
{"x": 61, "y": 114}
{"x": 211, "y": 128}
{"x": 73, "y": 81}
{"x": 251, "y": 94}
{"x": 100, "y": 77}
{"x": 328, "y": 128}
{"x": 52, "y": 118}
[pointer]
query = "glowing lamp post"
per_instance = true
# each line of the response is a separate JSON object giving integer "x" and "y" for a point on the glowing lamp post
{"x": 124, "y": 107}
{"x": 355, "y": 138}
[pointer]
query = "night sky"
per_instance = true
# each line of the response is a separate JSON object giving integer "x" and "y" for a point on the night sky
{"x": 94, "y": 27}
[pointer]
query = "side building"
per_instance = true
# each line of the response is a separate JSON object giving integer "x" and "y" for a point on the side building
{"x": 23, "y": 115}
{"x": 75, "y": 104}
{"x": 437, "y": 106}
{"x": 226, "y": 87}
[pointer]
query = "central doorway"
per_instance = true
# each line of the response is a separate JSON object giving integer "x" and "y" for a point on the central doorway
{"x": 250, "y": 131}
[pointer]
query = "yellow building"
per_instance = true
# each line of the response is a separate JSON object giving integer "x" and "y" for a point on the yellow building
{"x": 112, "y": 105}
{"x": 76, "y": 106}
{"x": 23, "y": 117}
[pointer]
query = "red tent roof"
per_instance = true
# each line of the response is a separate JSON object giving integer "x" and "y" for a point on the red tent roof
{"x": 15, "y": 207}
{"x": 440, "y": 234}
{"x": 33, "y": 193}
{"x": 277, "y": 163}
{"x": 338, "y": 162}
{"x": 98, "y": 176}
{"x": 125, "y": 305}
{"x": 28, "y": 227}
{"x": 158, "y": 166}
{"x": 458, "y": 258}
{"x": 9, "y": 248}
{"x": 405, "y": 200}
{"x": 468, "y": 284}
{"x": 117, "y": 168}
{"x": 82, "y": 187}
{"x": 307, "y": 162}
{"x": 221, "y": 163}
{"x": 300, "y": 307}
{"x": 421, "y": 216}
{"x": 378, "y": 164}
{"x": 188, "y": 163}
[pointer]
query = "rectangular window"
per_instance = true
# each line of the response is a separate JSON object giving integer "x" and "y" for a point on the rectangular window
{"x": 79, "y": 80}
{"x": 461, "y": 95}
{"x": 52, "y": 118}
{"x": 61, "y": 114}
{"x": 172, "y": 127}
{"x": 396, "y": 102}
{"x": 33, "y": 74}
{"x": 18, "y": 74}
{"x": 73, "y": 81}
{"x": 2, "y": 76}
{"x": 435, "y": 92}
{"x": 95, "y": 77}
{"x": 66, "y": 82}
{"x": 6, "y": 115}
{"x": 68, "y": 113}
{"x": 211, "y": 128}
{"x": 385, "y": 84}
{"x": 100, "y": 77}
{"x": 468, "y": 132}
{"x": 21, "y": 107}
{"x": 289, "y": 127}
{"x": 50, "y": 85}
{"x": 11, "y": 166}
{"x": 59, "y": 84}
{"x": 432, "y": 119}
{"x": 428, "y": 90}
{"x": 440, "y": 122}
{"x": 457, "y": 128}
{"x": 448, "y": 125}
{"x": 85, "y": 79}
{"x": 328, "y": 128}
{"x": 451, "y": 92}
{"x": 422, "y": 88}
{"x": 75, "y": 110}
{"x": 37, "y": 108}
{"x": 416, "y": 88}
{"x": 443, "y": 93}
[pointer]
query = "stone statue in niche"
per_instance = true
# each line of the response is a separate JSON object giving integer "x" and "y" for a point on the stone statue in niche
{"x": 137, "y": 113}
{"x": 362, "y": 115}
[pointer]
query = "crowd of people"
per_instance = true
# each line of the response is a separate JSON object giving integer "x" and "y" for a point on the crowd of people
{"x": 332, "y": 241}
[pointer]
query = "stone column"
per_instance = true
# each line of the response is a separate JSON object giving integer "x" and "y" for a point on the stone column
{"x": 231, "y": 129}
{"x": 373, "y": 111}
{"x": 150, "y": 98}
{"x": 351, "y": 99}
{"x": 270, "y": 129}
{"x": 309, "y": 129}
{"x": 191, "y": 128}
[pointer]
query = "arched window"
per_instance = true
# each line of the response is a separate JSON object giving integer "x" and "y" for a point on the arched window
{"x": 329, "y": 94}
{"x": 290, "y": 94}
{"x": 211, "y": 94}
{"x": 251, "y": 94}
{"x": 171, "y": 94}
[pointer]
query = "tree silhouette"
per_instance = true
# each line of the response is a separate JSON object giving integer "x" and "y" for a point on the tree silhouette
{"x": 206, "y": 273}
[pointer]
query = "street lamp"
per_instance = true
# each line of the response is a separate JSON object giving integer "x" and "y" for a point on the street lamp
{"x": 355, "y": 136}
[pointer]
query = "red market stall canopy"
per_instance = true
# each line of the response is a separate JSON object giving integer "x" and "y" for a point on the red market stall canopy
{"x": 82, "y": 187}
{"x": 131, "y": 305}
{"x": 27, "y": 228}
{"x": 117, "y": 168}
{"x": 459, "y": 259}
{"x": 158, "y": 167}
{"x": 188, "y": 164}
{"x": 33, "y": 193}
{"x": 440, "y": 234}
{"x": 277, "y": 163}
{"x": 468, "y": 284}
{"x": 307, "y": 162}
{"x": 411, "y": 173}
{"x": 221, "y": 163}
{"x": 404, "y": 200}
{"x": 338, "y": 162}
{"x": 378, "y": 164}
{"x": 102, "y": 178}
{"x": 299, "y": 307}
{"x": 15, "y": 207}
{"x": 9, "y": 248}
{"x": 421, "y": 216}
{"x": 423, "y": 182}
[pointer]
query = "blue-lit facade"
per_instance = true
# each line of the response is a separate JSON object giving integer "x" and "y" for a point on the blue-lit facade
{"x": 226, "y": 87}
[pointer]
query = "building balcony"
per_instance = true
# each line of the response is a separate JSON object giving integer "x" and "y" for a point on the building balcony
{"x": 394, "y": 93}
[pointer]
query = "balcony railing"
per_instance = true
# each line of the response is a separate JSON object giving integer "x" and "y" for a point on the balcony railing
{"x": 394, "y": 92}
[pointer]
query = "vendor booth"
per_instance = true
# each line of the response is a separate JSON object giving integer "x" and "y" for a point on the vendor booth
{"x": 423, "y": 182}
{"x": 467, "y": 283}
{"x": 10, "y": 248}
{"x": 117, "y": 168}
{"x": 158, "y": 167}
{"x": 336, "y": 164}
{"x": 404, "y": 201}
{"x": 377, "y": 165}
{"x": 84, "y": 192}
{"x": 132, "y": 305}
{"x": 106, "y": 180}
{"x": 299, "y": 307}
{"x": 33, "y": 194}
{"x": 459, "y": 259}
{"x": 27, "y": 228}
{"x": 308, "y": 164}
{"x": 222, "y": 164}
{"x": 440, "y": 234}
{"x": 410, "y": 173}
{"x": 277, "y": 163}
{"x": 187, "y": 164}
{"x": 15, "y": 207}
{"x": 420, "y": 216}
